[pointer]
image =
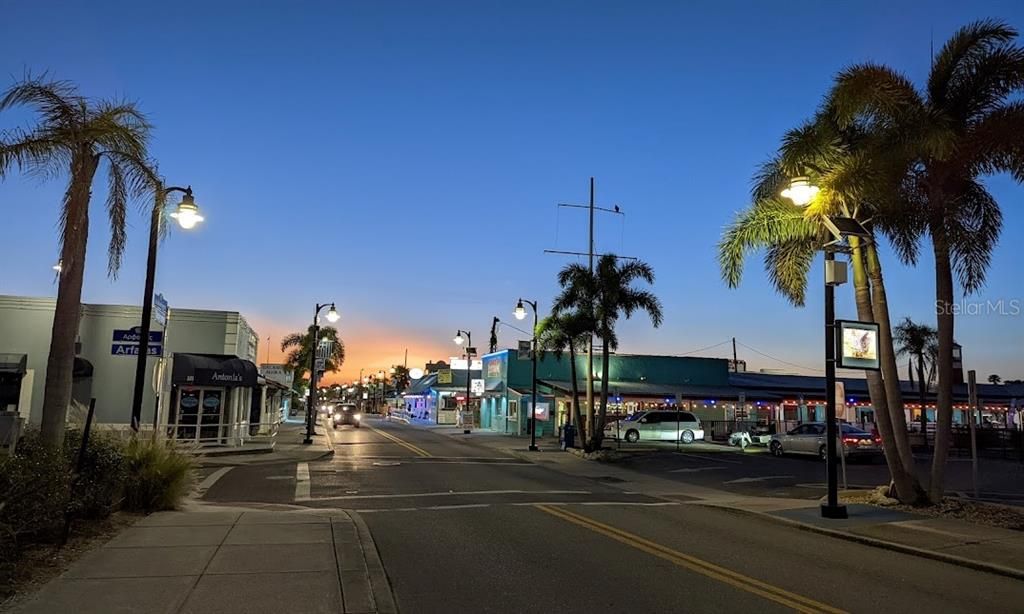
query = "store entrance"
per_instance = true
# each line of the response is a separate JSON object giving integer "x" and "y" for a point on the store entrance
{"x": 200, "y": 415}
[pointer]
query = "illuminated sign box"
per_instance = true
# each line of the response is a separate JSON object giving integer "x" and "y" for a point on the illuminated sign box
{"x": 858, "y": 345}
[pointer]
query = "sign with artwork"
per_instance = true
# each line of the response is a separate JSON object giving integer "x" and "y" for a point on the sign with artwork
{"x": 858, "y": 345}
{"x": 542, "y": 411}
{"x": 444, "y": 376}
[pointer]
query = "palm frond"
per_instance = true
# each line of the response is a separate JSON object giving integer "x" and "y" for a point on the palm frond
{"x": 787, "y": 264}
{"x": 874, "y": 94}
{"x": 973, "y": 227}
{"x": 995, "y": 143}
{"x": 117, "y": 204}
{"x": 961, "y": 51}
{"x": 765, "y": 223}
{"x": 58, "y": 102}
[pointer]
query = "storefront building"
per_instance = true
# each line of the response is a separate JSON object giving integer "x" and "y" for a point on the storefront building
{"x": 201, "y": 385}
{"x": 436, "y": 397}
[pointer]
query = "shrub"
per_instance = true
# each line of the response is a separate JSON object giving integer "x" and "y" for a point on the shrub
{"x": 157, "y": 476}
{"x": 97, "y": 490}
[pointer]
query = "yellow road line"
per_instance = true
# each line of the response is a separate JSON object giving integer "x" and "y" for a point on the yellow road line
{"x": 727, "y": 576}
{"x": 405, "y": 444}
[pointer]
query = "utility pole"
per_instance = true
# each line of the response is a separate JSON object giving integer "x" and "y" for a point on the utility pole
{"x": 591, "y": 410}
{"x": 735, "y": 363}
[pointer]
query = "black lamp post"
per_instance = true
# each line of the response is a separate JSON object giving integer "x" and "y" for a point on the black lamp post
{"x": 187, "y": 216}
{"x": 311, "y": 408}
{"x": 520, "y": 313}
{"x": 468, "y": 340}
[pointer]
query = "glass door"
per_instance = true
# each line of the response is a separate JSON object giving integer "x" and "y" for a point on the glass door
{"x": 210, "y": 417}
{"x": 188, "y": 413}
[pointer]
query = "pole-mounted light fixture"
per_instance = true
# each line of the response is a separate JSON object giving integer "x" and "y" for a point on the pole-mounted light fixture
{"x": 187, "y": 213}
{"x": 801, "y": 191}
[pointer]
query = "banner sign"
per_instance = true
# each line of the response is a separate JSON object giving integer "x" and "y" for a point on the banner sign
{"x": 858, "y": 345}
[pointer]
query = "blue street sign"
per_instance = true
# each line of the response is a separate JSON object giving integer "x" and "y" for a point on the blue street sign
{"x": 133, "y": 335}
{"x": 160, "y": 309}
{"x": 132, "y": 349}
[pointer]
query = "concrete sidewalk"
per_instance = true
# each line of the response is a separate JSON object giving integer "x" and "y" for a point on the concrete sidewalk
{"x": 288, "y": 448}
{"x": 954, "y": 541}
{"x": 227, "y": 561}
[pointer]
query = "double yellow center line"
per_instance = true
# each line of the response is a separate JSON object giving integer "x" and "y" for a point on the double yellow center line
{"x": 710, "y": 570}
{"x": 405, "y": 444}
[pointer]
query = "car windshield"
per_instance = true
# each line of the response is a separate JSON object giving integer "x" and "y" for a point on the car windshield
{"x": 347, "y": 407}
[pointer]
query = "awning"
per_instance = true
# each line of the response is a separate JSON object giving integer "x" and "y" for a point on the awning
{"x": 13, "y": 363}
{"x": 82, "y": 369}
{"x": 645, "y": 389}
{"x": 213, "y": 370}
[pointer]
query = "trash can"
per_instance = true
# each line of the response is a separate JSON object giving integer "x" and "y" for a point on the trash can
{"x": 568, "y": 436}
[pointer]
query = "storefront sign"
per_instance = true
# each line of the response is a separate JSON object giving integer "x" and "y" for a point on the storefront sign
{"x": 132, "y": 349}
{"x": 858, "y": 345}
{"x": 444, "y": 376}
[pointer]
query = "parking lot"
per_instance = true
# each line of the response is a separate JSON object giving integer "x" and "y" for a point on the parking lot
{"x": 756, "y": 472}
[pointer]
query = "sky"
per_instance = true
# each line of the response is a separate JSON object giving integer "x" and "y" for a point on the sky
{"x": 405, "y": 160}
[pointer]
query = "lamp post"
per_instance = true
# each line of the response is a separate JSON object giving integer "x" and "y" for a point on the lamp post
{"x": 187, "y": 215}
{"x": 801, "y": 191}
{"x": 468, "y": 340}
{"x": 311, "y": 408}
{"x": 383, "y": 385}
{"x": 520, "y": 313}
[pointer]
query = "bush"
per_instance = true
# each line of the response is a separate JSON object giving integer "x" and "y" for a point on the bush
{"x": 97, "y": 490}
{"x": 157, "y": 476}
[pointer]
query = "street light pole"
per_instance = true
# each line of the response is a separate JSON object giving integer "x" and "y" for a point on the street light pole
{"x": 187, "y": 216}
{"x": 831, "y": 508}
{"x": 311, "y": 407}
{"x": 520, "y": 313}
{"x": 469, "y": 373}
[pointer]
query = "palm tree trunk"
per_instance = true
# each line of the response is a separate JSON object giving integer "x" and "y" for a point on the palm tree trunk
{"x": 599, "y": 427}
{"x": 944, "y": 361}
{"x": 890, "y": 374}
{"x": 876, "y": 388}
{"x": 60, "y": 363}
{"x": 922, "y": 389}
{"x": 575, "y": 393}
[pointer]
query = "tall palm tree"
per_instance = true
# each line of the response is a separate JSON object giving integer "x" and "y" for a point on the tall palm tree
{"x": 965, "y": 124}
{"x": 919, "y": 343}
{"x": 791, "y": 236}
{"x": 400, "y": 378}
{"x": 605, "y": 295}
{"x": 300, "y": 348}
{"x": 567, "y": 331}
{"x": 76, "y": 136}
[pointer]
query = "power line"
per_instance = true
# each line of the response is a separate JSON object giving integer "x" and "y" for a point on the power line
{"x": 710, "y": 347}
{"x": 785, "y": 362}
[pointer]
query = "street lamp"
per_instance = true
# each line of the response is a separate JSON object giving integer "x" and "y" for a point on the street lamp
{"x": 383, "y": 385}
{"x": 520, "y": 313}
{"x": 187, "y": 216}
{"x": 332, "y": 316}
{"x": 801, "y": 191}
{"x": 468, "y": 340}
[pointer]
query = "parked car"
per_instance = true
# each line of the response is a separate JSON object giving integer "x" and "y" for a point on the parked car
{"x": 809, "y": 438}
{"x": 346, "y": 413}
{"x": 658, "y": 425}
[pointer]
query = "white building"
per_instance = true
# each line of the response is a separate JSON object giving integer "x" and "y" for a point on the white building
{"x": 208, "y": 388}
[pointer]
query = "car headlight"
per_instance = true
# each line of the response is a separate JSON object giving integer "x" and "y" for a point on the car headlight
{"x": 359, "y": 416}
{"x": 337, "y": 416}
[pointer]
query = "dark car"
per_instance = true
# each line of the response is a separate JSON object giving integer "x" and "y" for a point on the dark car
{"x": 346, "y": 413}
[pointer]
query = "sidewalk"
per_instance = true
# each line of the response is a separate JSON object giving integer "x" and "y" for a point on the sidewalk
{"x": 225, "y": 561}
{"x": 287, "y": 448}
{"x": 957, "y": 542}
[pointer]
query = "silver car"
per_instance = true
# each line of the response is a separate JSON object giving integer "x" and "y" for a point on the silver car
{"x": 809, "y": 438}
{"x": 660, "y": 425}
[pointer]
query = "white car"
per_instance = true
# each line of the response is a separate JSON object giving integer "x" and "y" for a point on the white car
{"x": 659, "y": 425}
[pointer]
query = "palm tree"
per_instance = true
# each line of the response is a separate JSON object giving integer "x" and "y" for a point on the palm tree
{"x": 300, "y": 350}
{"x": 995, "y": 379}
{"x": 791, "y": 236}
{"x": 567, "y": 331}
{"x": 964, "y": 125}
{"x": 76, "y": 136}
{"x": 604, "y": 295}
{"x": 400, "y": 378}
{"x": 919, "y": 343}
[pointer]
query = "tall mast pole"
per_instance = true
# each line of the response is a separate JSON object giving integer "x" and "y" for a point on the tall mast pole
{"x": 591, "y": 411}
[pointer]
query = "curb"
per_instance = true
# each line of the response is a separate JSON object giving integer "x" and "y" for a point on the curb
{"x": 380, "y": 586}
{"x": 951, "y": 559}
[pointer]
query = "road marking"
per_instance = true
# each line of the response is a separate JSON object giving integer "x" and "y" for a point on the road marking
{"x": 211, "y": 479}
{"x": 449, "y": 493}
{"x": 302, "y": 483}
{"x": 759, "y": 479}
{"x": 405, "y": 444}
{"x": 482, "y": 505}
{"x": 692, "y": 563}
{"x": 694, "y": 469}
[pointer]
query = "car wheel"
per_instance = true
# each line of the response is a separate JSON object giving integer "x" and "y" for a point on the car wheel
{"x": 823, "y": 453}
{"x": 686, "y": 437}
{"x": 632, "y": 435}
{"x": 776, "y": 449}
{"x": 335, "y": 427}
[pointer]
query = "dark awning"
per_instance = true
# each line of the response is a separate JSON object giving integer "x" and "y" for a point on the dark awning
{"x": 213, "y": 370}
{"x": 13, "y": 363}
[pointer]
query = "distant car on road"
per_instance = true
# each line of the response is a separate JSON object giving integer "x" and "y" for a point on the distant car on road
{"x": 809, "y": 438}
{"x": 658, "y": 425}
{"x": 346, "y": 413}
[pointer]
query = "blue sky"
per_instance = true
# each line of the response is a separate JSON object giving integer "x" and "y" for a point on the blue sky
{"x": 404, "y": 158}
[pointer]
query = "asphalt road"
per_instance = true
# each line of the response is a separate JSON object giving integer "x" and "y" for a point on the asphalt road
{"x": 462, "y": 528}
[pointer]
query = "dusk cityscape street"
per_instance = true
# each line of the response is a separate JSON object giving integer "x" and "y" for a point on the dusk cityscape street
{"x": 458, "y": 307}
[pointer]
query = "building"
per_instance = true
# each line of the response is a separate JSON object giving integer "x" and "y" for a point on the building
{"x": 202, "y": 385}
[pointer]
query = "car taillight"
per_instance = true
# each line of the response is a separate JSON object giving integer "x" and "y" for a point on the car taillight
{"x": 850, "y": 440}
{"x": 878, "y": 441}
